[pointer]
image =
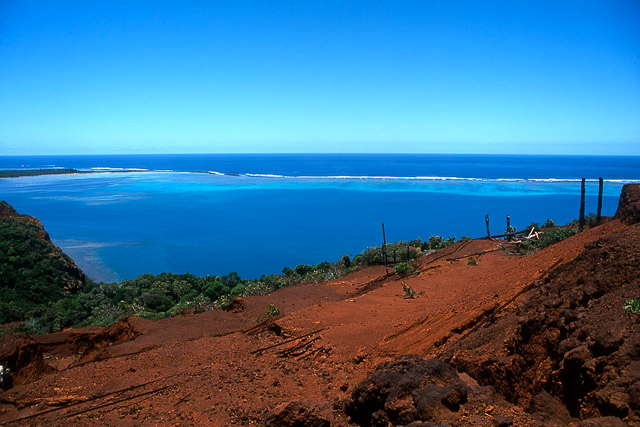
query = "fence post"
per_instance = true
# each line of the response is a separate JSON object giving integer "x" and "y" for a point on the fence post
{"x": 509, "y": 228}
{"x": 600, "y": 187}
{"x": 582, "y": 193}
{"x": 486, "y": 219}
{"x": 384, "y": 250}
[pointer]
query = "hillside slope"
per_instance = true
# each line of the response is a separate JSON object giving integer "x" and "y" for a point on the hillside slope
{"x": 536, "y": 340}
{"x": 33, "y": 270}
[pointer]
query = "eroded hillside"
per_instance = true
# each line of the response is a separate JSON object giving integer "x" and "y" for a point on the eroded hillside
{"x": 520, "y": 340}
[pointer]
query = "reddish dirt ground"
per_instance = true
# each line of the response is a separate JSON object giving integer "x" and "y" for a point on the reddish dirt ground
{"x": 227, "y": 368}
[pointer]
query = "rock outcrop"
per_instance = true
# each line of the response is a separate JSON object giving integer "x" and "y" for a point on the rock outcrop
{"x": 629, "y": 205}
{"x": 572, "y": 337}
{"x": 405, "y": 390}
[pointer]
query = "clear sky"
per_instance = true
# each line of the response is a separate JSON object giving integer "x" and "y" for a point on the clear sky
{"x": 554, "y": 77}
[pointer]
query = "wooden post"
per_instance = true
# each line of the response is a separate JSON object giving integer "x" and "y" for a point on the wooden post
{"x": 582, "y": 193}
{"x": 408, "y": 252}
{"x": 384, "y": 249}
{"x": 508, "y": 228}
{"x": 600, "y": 187}
{"x": 486, "y": 219}
{"x": 394, "y": 256}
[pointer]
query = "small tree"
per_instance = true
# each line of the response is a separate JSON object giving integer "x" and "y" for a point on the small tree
{"x": 404, "y": 269}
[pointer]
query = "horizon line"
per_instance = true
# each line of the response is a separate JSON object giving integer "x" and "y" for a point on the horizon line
{"x": 318, "y": 153}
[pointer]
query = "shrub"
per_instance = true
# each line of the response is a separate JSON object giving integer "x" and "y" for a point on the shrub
{"x": 589, "y": 221}
{"x": 408, "y": 291}
{"x": 555, "y": 235}
{"x": 287, "y": 271}
{"x": 548, "y": 223}
{"x": 472, "y": 261}
{"x": 302, "y": 269}
{"x": 345, "y": 261}
{"x": 214, "y": 290}
{"x": 632, "y": 306}
{"x": 527, "y": 246}
{"x": 404, "y": 269}
{"x": 533, "y": 225}
{"x": 272, "y": 310}
{"x": 239, "y": 290}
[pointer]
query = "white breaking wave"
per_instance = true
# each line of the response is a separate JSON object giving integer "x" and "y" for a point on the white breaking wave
{"x": 111, "y": 169}
{"x": 427, "y": 178}
{"x": 374, "y": 177}
{"x": 267, "y": 175}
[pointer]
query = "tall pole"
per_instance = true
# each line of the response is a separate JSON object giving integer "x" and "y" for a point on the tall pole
{"x": 600, "y": 187}
{"x": 582, "y": 193}
{"x": 486, "y": 219}
{"x": 384, "y": 249}
{"x": 508, "y": 228}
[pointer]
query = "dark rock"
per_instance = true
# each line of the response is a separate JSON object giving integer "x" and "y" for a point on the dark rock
{"x": 427, "y": 424}
{"x": 431, "y": 399}
{"x": 380, "y": 419}
{"x": 304, "y": 413}
{"x": 6, "y": 379}
{"x": 237, "y": 305}
{"x": 407, "y": 389}
{"x": 567, "y": 345}
{"x": 634, "y": 396}
{"x": 544, "y": 403}
{"x": 401, "y": 409}
{"x": 602, "y": 422}
{"x": 607, "y": 339}
{"x": 631, "y": 347}
{"x": 629, "y": 205}
{"x": 503, "y": 421}
{"x": 612, "y": 401}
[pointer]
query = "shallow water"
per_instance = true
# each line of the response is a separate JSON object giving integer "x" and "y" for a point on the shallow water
{"x": 119, "y": 225}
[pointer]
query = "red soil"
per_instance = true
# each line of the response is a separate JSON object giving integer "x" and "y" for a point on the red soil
{"x": 225, "y": 368}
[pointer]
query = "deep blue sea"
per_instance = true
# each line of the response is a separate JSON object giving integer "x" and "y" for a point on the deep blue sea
{"x": 255, "y": 214}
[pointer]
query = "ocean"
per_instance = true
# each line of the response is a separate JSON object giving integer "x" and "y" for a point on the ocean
{"x": 256, "y": 214}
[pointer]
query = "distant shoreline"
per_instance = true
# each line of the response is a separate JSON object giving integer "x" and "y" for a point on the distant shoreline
{"x": 17, "y": 173}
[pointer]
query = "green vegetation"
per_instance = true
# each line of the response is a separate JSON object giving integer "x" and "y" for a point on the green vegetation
{"x": 533, "y": 226}
{"x": 554, "y": 235}
{"x": 632, "y": 306}
{"x": 472, "y": 261}
{"x": 436, "y": 242}
{"x": 404, "y": 269}
{"x": 400, "y": 251}
{"x": 546, "y": 238}
{"x": 272, "y": 311}
{"x": 36, "y": 172}
{"x": 548, "y": 223}
{"x": 43, "y": 290}
{"x": 589, "y": 221}
{"x": 408, "y": 291}
{"x": 34, "y": 273}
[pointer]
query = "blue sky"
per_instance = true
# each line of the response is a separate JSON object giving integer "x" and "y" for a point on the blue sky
{"x": 541, "y": 77}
